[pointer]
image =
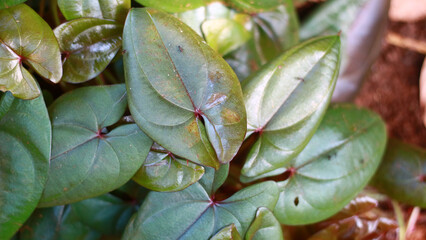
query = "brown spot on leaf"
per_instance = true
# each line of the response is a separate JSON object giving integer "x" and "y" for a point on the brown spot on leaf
{"x": 215, "y": 76}
{"x": 230, "y": 116}
{"x": 193, "y": 128}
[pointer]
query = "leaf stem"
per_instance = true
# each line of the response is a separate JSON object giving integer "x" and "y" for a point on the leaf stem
{"x": 400, "y": 218}
{"x": 110, "y": 77}
{"x": 412, "y": 221}
{"x": 41, "y": 8}
{"x": 407, "y": 43}
{"x": 54, "y": 12}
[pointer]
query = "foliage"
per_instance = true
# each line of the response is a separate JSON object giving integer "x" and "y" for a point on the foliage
{"x": 188, "y": 119}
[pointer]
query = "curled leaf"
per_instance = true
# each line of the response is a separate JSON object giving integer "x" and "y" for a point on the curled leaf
{"x": 164, "y": 172}
{"x": 227, "y": 233}
{"x": 26, "y": 38}
{"x": 264, "y": 226}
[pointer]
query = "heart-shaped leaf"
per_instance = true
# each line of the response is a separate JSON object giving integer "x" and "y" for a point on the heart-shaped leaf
{"x": 402, "y": 174}
{"x": 362, "y": 24}
{"x": 86, "y": 161}
{"x": 88, "y": 46}
{"x": 334, "y": 167}
{"x": 225, "y": 35}
{"x": 227, "y": 233}
{"x": 250, "y": 6}
{"x": 26, "y": 38}
{"x": 25, "y": 137}
{"x": 104, "y": 9}
{"x": 106, "y": 214}
{"x": 164, "y": 172}
{"x": 193, "y": 213}
{"x": 57, "y": 223}
{"x": 173, "y": 5}
{"x": 285, "y": 103}
{"x": 10, "y": 3}
{"x": 181, "y": 92}
{"x": 264, "y": 226}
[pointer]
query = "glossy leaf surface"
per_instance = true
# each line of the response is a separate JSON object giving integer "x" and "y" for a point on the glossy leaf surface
{"x": 285, "y": 103}
{"x": 334, "y": 167}
{"x": 10, "y": 3}
{"x": 25, "y": 139}
{"x": 88, "y": 161}
{"x": 250, "y": 6}
{"x": 402, "y": 174}
{"x": 363, "y": 25}
{"x": 88, "y": 46}
{"x": 225, "y": 35}
{"x": 227, "y": 233}
{"x": 26, "y": 38}
{"x": 175, "y": 82}
{"x": 173, "y": 5}
{"x": 264, "y": 226}
{"x": 103, "y": 9}
{"x": 164, "y": 172}
{"x": 194, "y": 214}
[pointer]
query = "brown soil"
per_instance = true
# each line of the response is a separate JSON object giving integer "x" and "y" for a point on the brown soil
{"x": 392, "y": 89}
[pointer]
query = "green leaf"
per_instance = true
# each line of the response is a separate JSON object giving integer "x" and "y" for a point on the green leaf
{"x": 250, "y": 6}
{"x": 104, "y": 9}
{"x": 106, "y": 214}
{"x": 193, "y": 213}
{"x": 88, "y": 46}
{"x": 181, "y": 92}
{"x": 264, "y": 226}
{"x": 285, "y": 103}
{"x": 25, "y": 138}
{"x": 10, "y": 3}
{"x": 402, "y": 174}
{"x": 273, "y": 32}
{"x": 334, "y": 167}
{"x": 225, "y": 35}
{"x": 162, "y": 171}
{"x": 173, "y": 5}
{"x": 88, "y": 161}
{"x": 6, "y": 101}
{"x": 362, "y": 24}
{"x": 227, "y": 233}
{"x": 26, "y": 38}
{"x": 330, "y": 18}
{"x": 278, "y": 30}
{"x": 57, "y": 223}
